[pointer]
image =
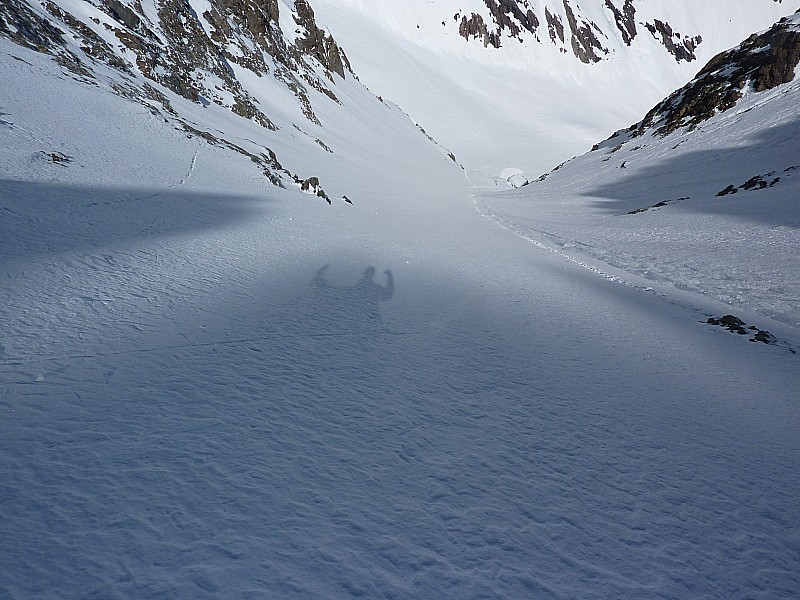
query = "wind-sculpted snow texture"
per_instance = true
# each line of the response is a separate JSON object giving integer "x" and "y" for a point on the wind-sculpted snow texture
{"x": 215, "y": 387}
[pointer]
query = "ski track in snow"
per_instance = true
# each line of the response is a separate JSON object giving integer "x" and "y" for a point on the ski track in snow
{"x": 581, "y": 263}
{"x": 453, "y": 110}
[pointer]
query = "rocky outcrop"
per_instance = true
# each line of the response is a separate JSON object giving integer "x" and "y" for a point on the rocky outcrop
{"x": 235, "y": 25}
{"x": 554, "y": 26}
{"x": 475, "y": 28}
{"x": 584, "y": 40}
{"x": 25, "y": 27}
{"x": 508, "y": 18}
{"x": 761, "y": 182}
{"x": 569, "y": 29}
{"x": 317, "y": 43}
{"x": 761, "y": 62}
{"x": 735, "y": 325}
{"x": 191, "y": 54}
{"x": 625, "y": 18}
{"x": 681, "y": 47}
{"x": 123, "y": 14}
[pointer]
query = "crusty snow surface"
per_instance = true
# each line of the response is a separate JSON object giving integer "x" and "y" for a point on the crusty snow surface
{"x": 211, "y": 387}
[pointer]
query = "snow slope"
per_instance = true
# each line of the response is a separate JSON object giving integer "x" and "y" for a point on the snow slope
{"x": 214, "y": 387}
{"x": 661, "y": 207}
{"x": 516, "y": 106}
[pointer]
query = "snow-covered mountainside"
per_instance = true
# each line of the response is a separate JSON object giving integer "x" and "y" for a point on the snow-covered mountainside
{"x": 526, "y": 84}
{"x": 702, "y": 193}
{"x": 762, "y": 62}
{"x": 588, "y": 31}
{"x": 214, "y": 384}
{"x": 265, "y": 62}
{"x": 470, "y": 72}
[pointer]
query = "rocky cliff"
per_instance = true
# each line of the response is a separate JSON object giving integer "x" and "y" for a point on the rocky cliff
{"x": 202, "y": 50}
{"x": 191, "y": 48}
{"x": 570, "y": 28}
{"x": 762, "y": 62}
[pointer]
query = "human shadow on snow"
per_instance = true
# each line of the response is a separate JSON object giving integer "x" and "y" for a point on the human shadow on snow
{"x": 690, "y": 181}
{"x": 41, "y": 218}
{"x": 247, "y": 438}
{"x": 352, "y": 309}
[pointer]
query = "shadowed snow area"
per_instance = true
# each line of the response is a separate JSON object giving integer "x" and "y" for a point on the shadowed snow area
{"x": 217, "y": 412}
{"x": 766, "y": 153}
{"x": 211, "y": 387}
{"x": 37, "y": 212}
{"x": 513, "y": 434}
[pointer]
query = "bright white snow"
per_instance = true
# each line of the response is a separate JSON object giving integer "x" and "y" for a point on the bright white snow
{"x": 650, "y": 206}
{"x": 516, "y": 106}
{"x": 211, "y": 387}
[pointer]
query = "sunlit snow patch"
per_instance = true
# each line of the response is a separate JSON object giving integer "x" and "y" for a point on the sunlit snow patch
{"x": 514, "y": 177}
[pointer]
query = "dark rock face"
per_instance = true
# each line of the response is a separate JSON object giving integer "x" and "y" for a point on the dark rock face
{"x": 585, "y": 43}
{"x": 681, "y": 47}
{"x": 23, "y": 26}
{"x": 475, "y": 28}
{"x": 736, "y": 325}
{"x": 234, "y": 21}
{"x": 181, "y": 49}
{"x": 763, "y": 61}
{"x": 518, "y": 19}
{"x": 507, "y": 16}
{"x": 760, "y": 182}
{"x": 554, "y": 26}
{"x": 311, "y": 185}
{"x": 731, "y": 189}
{"x": 317, "y": 43}
{"x": 123, "y": 14}
{"x": 625, "y": 19}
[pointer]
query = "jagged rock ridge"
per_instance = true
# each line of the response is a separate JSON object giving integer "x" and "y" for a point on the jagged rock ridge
{"x": 681, "y": 47}
{"x": 183, "y": 50}
{"x": 762, "y": 62}
{"x": 584, "y": 41}
{"x": 196, "y": 56}
{"x": 569, "y": 29}
{"x": 625, "y": 19}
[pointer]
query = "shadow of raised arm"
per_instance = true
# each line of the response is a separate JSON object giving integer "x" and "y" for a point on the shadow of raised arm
{"x": 388, "y": 291}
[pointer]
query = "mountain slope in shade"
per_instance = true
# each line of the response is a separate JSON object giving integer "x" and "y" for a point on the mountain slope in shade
{"x": 563, "y": 75}
{"x": 701, "y": 194}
